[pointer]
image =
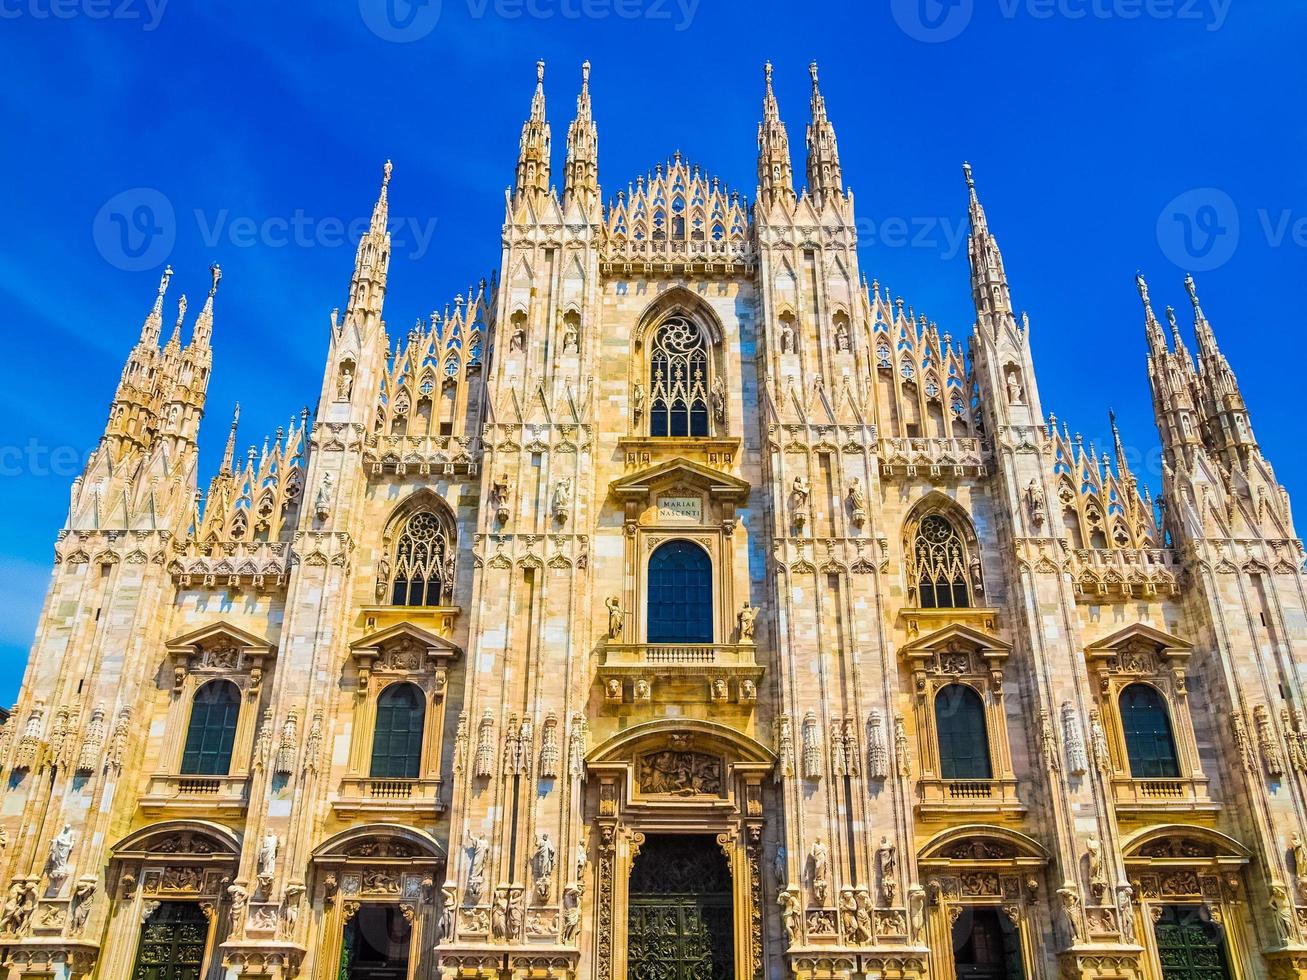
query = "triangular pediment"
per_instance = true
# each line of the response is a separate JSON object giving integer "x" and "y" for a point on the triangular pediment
{"x": 719, "y": 485}
{"x": 953, "y": 636}
{"x": 436, "y": 644}
{"x": 1144, "y": 634}
{"x": 215, "y": 632}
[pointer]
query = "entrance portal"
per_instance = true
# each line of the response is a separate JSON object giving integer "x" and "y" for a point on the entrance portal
{"x": 681, "y": 915}
{"x": 376, "y": 947}
{"x": 172, "y": 943}
{"x": 986, "y": 946}
{"x": 1189, "y": 947}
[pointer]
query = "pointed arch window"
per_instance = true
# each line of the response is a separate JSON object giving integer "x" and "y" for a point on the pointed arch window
{"x": 678, "y": 381}
{"x": 962, "y": 733}
{"x": 680, "y": 594}
{"x": 939, "y": 559}
{"x": 397, "y": 735}
{"x": 1149, "y": 740}
{"x": 423, "y": 558}
{"x": 211, "y": 732}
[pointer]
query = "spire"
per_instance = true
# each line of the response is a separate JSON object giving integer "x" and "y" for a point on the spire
{"x": 533, "y": 153}
{"x": 229, "y": 454}
{"x": 775, "y": 171}
{"x": 824, "y": 178}
{"x": 1156, "y": 339}
{"x": 1227, "y": 428}
{"x": 582, "y": 184}
{"x": 154, "y": 320}
{"x": 989, "y": 286}
{"x": 204, "y": 324}
{"x": 367, "y": 289}
{"x": 1122, "y": 465}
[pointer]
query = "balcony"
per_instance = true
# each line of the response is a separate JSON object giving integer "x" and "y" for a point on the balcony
{"x": 381, "y": 797}
{"x": 715, "y": 672}
{"x": 933, "y": 457}
{"x": 177, "y": 793}
{"x": 1123, "y": 574}
{"x": 1145, "y": 796}
{"x": 953, "y": 797}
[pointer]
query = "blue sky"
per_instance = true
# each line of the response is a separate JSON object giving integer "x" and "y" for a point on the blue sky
{"x": 1107, "y": 136}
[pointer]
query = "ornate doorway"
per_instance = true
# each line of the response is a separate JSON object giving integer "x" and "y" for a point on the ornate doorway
{"x": 680, "y": 925}
{"x": 985, "y": 945}
{"x": 1189, "y": 947}
{"x": 172, "y": 943}
{"x": 377, "y": 944}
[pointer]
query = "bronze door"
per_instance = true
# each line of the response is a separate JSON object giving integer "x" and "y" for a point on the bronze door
{"x": 680, "y": 925}
{"x": 1189, "y": 947}
{"x": 172, "y": 943}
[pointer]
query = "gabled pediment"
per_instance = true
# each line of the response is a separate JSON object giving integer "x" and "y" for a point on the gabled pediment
{"x": 680, "y": 471}
{"x": 219, "y": 634}
{"x": 957, "y": 637}
{"x": 409, "y": 635}
{"x": 1140, "y": 634}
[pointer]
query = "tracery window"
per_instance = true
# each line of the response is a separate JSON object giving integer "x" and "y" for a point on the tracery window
{"x": 422, "y": 560}
{"x": 397, "y": 735}
{"x": 211, "y": 733}
{"x": 963, "y": 738}
{"x": 940, "y": 564}
{"x": 678, "y": 380}
{"x": 1146, "y": 724}
{"x": 680, "y": 594}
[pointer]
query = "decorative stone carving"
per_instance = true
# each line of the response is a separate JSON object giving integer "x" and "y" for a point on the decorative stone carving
{"x": 784, "y": 742}
{"x": 288, "y": 745}
{"x": 615, "y": 617}
{"x": 1097, "y": 876}
{"x": 886, "y": 859}
{"x": 748, "y": 622}
{"x": 57, "y": 866}
{"x": 460, "y": 744}
{"x": 550, "y": 754}
{"x": 1098, "y": 744}
{"x": 1035, "y": 504}
{"x": 266, "y": 859}
{"x": 1048, "y": 744}
{"x": 263, "y": 742}
{"x": 501, "y": 495}
{"x": 89, "y": 756}
{"x": 790, "y": 922}
{"x": 576, "y": 747}
{"x": 680, "y": 773}
{"x": 819, "y": 871}
{"x": 483, "y": 765}
{"x": 562, "y": 499}
{"x": 239, "y": 905}
{"x": 1076, "y": 762}
{"x": 1069, "y": 905}
{"x": 20, "y": 903}
{"x": 570, "y": 933}
{"x": 800, "y": 491}
{"x": 313, "y": 748}
{"x": 82, "y": 899}
{"x": 902, "y": 760}
{"x": 478, "y": 847}
{"x": 811, "y": 747}
{"x": 543, "y": 861}
{"x": 857, "y": 500}
{"x": 28, "y": 752}
{"x": 1266, "y": 743}
{"x": 877, "y": 749}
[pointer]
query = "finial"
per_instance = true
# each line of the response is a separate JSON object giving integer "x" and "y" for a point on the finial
{"x": 1192, "y": 288}
{"x": 540, "y": 70}
{"x": 165, "y": 279}
{"x": 812, "y": 70}
{"x": 585, "y": 71}
{"x": 766, "y": 71}
{"x": 216, "y": 272}
{"x": 1143, "y": 287}
{"x": 966, "y": 170}
{"x": 386, "y": 171}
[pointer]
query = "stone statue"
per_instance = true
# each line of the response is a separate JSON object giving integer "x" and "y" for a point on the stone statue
{"x": 1035, "y": 503}
{"x": 1097, "y": 878}
{"x": 780, "y": 868}
{"x": 1299, "y": 851}
{"x": 887, "y": 859}
{"x": 1282, "y": 909}
{"x": 1125, "y": 904}
{"x": 445, "y": 928}
{"x": 18, "y": 908}
{"x": 240, "y": 900}
{"x": 614, "y": 605}
{"x": 799, "y": 493}
{"x": 977, "y": 579}
{"x": 787, "y": 337}
{"x": 83, "y": 898}
{"x": 857, "y": 498}
{"x": 582, "y": 862}
{"x": 849, "y": 914}
{"x": 748, "y": 617}
{"x": 571, "y": 342}
{"x": 516, "y": 913}
{"x": 718, "y": 397}
{"x": 544, "y": 857}
{"x": 345, "y": 383}
{"x": 499, "y": 916}
{"x": 642, "y": 690}
{"x": 864, "y": 931}
{"x": 1070, "y": 905}
{"x": 1016, "y": 395}
{"x": 571, "y": 916}
{"x": 841, "y": 336}
{"x": 562, "y": 497}
{"x": 789, "y": 903}
{"x": 637, "y": 400}
{"x": 501, "y": 492}
{"x": 820, "y": 860}
{"x": 61, "y": 849}
{"x": 518, "y": 339}
{"x": 267, "y": 858}
{"x": 476, "y": 869}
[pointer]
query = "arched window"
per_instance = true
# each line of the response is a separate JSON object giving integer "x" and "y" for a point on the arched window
{"x": 678, "y": 380}
{"x": 939, "y": 561}
{"x": 680, "y": 594}
{"x": 421, "y": 562}
{"x": 397, "y": 737}
{"x": 1149, "y": 743}
{"x": 211, "y": 734}
{"x": 960, "y": 729}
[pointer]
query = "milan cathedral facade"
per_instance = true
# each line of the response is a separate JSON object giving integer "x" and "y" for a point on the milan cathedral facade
{"x": 676, "y": 604}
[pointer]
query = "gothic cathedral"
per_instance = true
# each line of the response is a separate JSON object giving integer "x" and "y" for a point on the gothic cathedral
{"x": 676, "y": 605}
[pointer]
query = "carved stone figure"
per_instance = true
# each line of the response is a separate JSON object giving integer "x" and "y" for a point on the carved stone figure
{"x": 787, "y": 337}
{"x": 748, "y": 619}
{"x": 1299, "y": 852}
{"x": 518, "y": 340}
{"x": 82, "y": 900}
{"x": 789, "y": 903}
{"x": 501, "y": 493}
{"x": 842, "y": 336}
{"x": 545, "y": 855}
{"x": 516, "y": 913}
{"x": 1282, "y": 913}
{"x": 478, "y": 847}
{"x": 571, "y": 340}
{"x": 614, "y": 605}
{"x": 780, "y": 866}
{"x": 1069, "y": 903}
{"x": 19, "y": 905}
{"x": 562, "y": 498}
{"x": 1126, "y": 912}
{"x": 857, "y": 498}
{"x": 902, "y": 760}
{"x": 863, "y": 933}
{"x": 499, "y": 916}
{"x": 1016, "y": 394}
{"x": 582, "y": 862}
{"x": 819, "y": 875}
{"x": 345, "y": 382}
{"x": 1097, "y": 877}
{"x": 637, "y": 400}
{"x": 848, "y": 914}
{"x": 240, "y": 901}
{"x": 445, "y": 926}
{"x": 680, "y": 773}
{"x": 571, "y": 930}
{"x": 811, "y": 748}
{"x": 1035, "y": 503}
{"x": 887, "y": 859}
{"x": 57, "y": 862}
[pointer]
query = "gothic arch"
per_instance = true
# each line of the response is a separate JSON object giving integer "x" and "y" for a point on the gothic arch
{"x": 679, "y": 301}
{"x": 735, "y": 744}
{"x": 1017, "y": 845}
{"x": 347, "y": 842}
{"x": 937, "y": 502}
{"x": 420, "y": 501}
{"x": 1220, "y": 845}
